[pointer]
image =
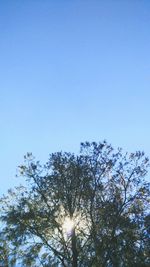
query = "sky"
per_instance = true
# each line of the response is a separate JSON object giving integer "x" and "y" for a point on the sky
{"x": 72, "y": 71}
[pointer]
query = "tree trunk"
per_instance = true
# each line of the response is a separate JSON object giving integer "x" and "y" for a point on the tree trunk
{"x": 74, "y": 250}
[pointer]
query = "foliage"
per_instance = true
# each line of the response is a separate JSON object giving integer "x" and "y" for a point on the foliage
{"x": 102, "y": 191}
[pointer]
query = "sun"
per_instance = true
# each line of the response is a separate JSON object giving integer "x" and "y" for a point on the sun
{"x": 68, "y": 226}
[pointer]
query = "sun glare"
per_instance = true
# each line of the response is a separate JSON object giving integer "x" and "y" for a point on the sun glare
{"x": 68, "y": 226}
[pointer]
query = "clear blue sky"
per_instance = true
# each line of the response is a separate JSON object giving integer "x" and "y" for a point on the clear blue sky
{"x": 72, "y": 71}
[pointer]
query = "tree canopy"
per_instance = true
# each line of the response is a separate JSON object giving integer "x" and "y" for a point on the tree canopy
{"x": 90, "y": 209}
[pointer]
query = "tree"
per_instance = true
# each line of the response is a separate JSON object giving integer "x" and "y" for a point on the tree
{"x": 80, "y": 210}
{"x": 4, "y": 253}
{"x": 7, "y": 257}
